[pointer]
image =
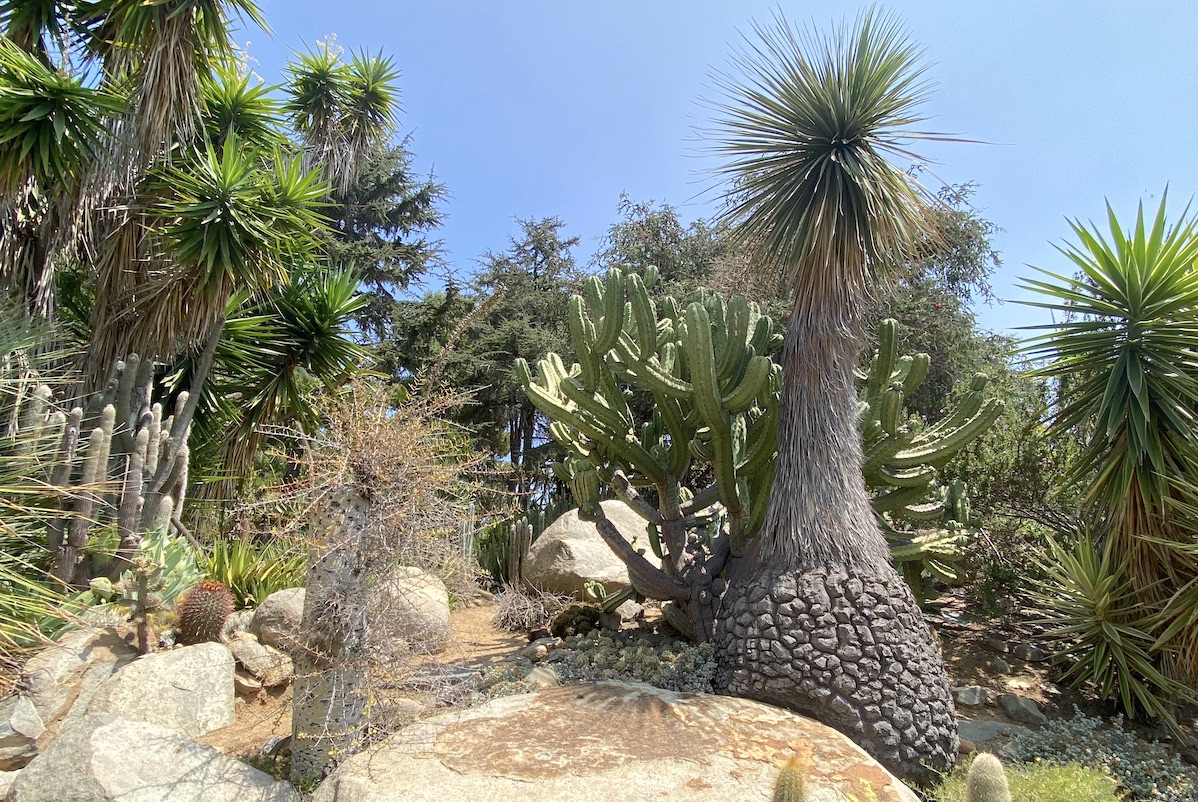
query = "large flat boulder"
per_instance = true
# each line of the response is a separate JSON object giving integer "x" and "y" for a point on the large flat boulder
{"x": 617, "y": 741}
{"x": 189, "y": 690}
{"x": 69, "y": 671}
{"x": 570, "y": 553}
{"x": 106, "y": 758}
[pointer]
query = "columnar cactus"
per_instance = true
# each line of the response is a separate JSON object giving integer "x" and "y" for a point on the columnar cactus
{"x": 714, "y": 394}
{"x": 901, "y": 460}
{"x": 124, "y": 463}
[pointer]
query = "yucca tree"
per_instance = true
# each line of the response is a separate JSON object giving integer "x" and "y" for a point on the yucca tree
{"x": 815, "y": 617}
{"x": 1126, "y": 353}
{"x": 343, "y": 112}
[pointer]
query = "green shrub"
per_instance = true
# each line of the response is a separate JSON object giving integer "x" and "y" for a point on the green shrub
{"x": 253, "y": 569}
{"x": 1039, "y": 782}
{"x": 1144, "y": 770}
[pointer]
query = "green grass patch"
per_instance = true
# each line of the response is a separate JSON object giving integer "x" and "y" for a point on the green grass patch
{"x": 1039, "y": 782}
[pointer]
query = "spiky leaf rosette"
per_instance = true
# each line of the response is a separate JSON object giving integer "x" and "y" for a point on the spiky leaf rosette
{"x": 202, "y": 612}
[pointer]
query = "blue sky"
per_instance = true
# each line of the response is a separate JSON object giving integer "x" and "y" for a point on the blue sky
{"x": 534, "y": 109}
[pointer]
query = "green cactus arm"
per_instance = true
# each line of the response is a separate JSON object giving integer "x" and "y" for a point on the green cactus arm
{"x": 896, "y": 498}
{"x": 582, "y": 333}
{"x": 917, "y": 373}
{"x": 723, "y": 466}
{"x": 595, "y": 406}
{"x": 736, "y": 341}
{"x": 889, "y": 409}
{"x": 919, "y": 476}
{"x": 644, "y": 313}
{"x": 759, "y": 494}
{"x": 762, "y": 442}
{"x": 920, "y": 513}
{"x": 627, "y": 447}
{"x": 649, "y": 371}
{"x": 763, "y": 334}
{"x": 701, "y": 357}
{"x": 883, "y": 450}
{"x": 745, "y": 393}
{"x": 612, "y": 324}
{"x": 943, "y": 448}
{"x": 883, "y": 363}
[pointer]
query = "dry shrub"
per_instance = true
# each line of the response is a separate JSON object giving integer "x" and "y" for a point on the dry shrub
{"x": 519, "y": 610}
{"x": 387, "y": 486}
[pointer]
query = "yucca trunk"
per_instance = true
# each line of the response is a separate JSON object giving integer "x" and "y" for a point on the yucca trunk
{"x": 329, "y": 708}
{"x": 815, "y": 618}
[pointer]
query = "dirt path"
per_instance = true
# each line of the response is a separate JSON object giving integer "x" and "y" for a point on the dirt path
{"x": 474, "y": 643}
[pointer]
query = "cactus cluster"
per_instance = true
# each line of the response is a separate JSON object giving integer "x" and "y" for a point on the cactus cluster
{"x": 123, "y": 462}
{"x": 714, "y": 395}
{"x": 202, "y": 612}
{"x": 715, "y": 398}
{"x": 926, "y": 524}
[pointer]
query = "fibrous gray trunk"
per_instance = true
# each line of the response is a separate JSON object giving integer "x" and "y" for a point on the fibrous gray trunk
{"x": 815, "y": 618}
{"x": 328, "y": 711}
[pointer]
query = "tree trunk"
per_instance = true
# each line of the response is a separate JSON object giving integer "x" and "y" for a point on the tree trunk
{"x": 328, "y": 711}
{"x": 815, "y": 618}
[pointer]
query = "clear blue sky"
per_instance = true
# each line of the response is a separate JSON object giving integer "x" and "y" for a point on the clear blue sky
{"x": 553, "y": 108}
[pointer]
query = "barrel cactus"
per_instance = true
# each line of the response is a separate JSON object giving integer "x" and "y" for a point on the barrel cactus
{"x": 202, "y": 612}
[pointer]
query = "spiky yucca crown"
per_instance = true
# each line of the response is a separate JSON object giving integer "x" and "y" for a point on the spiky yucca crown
{"x": 202, "y": 611}
{"x": 987, "y": 781}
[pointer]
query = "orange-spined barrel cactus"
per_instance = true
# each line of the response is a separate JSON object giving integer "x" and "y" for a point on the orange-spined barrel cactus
{"x": 202, "y": 611}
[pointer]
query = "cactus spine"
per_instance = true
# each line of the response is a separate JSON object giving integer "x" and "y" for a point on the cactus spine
{"x": 901, "y": 461}
{"x": 987, "y": 782}
{"x": 711, "y": 389}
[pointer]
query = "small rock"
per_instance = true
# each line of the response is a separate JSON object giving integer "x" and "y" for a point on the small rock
{"x": 20, "y": 727}
{"x": 537, "y": 634}
{"x": 276, "y": 622}
{"x": 610, "y": 621}
{"x": 246, "y": 683}
{"x": 1000, "y": 665}
{"x": 630, "y": 610}
{"x": 7, "y": 778}
{"x": 1030, "y": 653}
{"x": 966, "y": 747}
{"x": 543, "y": 677}
{"x": 1020, "y": 708}
{"x": 535, "y": 652}
{"x": 980, "y": 732}
{"x": 269, "y": 665}
{"x": 970, "y": 696}
{"x": 998, "y": 644}
{"x": 237, "y": 622}
{"x": 558, "y": 655}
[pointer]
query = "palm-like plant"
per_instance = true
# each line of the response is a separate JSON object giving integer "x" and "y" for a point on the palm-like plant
{"x": 343, "y": 112}
{"x": 1127, "y": 354}
{"x": 807, "y": 131}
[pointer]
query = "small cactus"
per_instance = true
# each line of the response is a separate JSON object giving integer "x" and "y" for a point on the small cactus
{"x": 987, "y": 781}
{"x": 202, "y": 612}
{"x": 792, "y": 782}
